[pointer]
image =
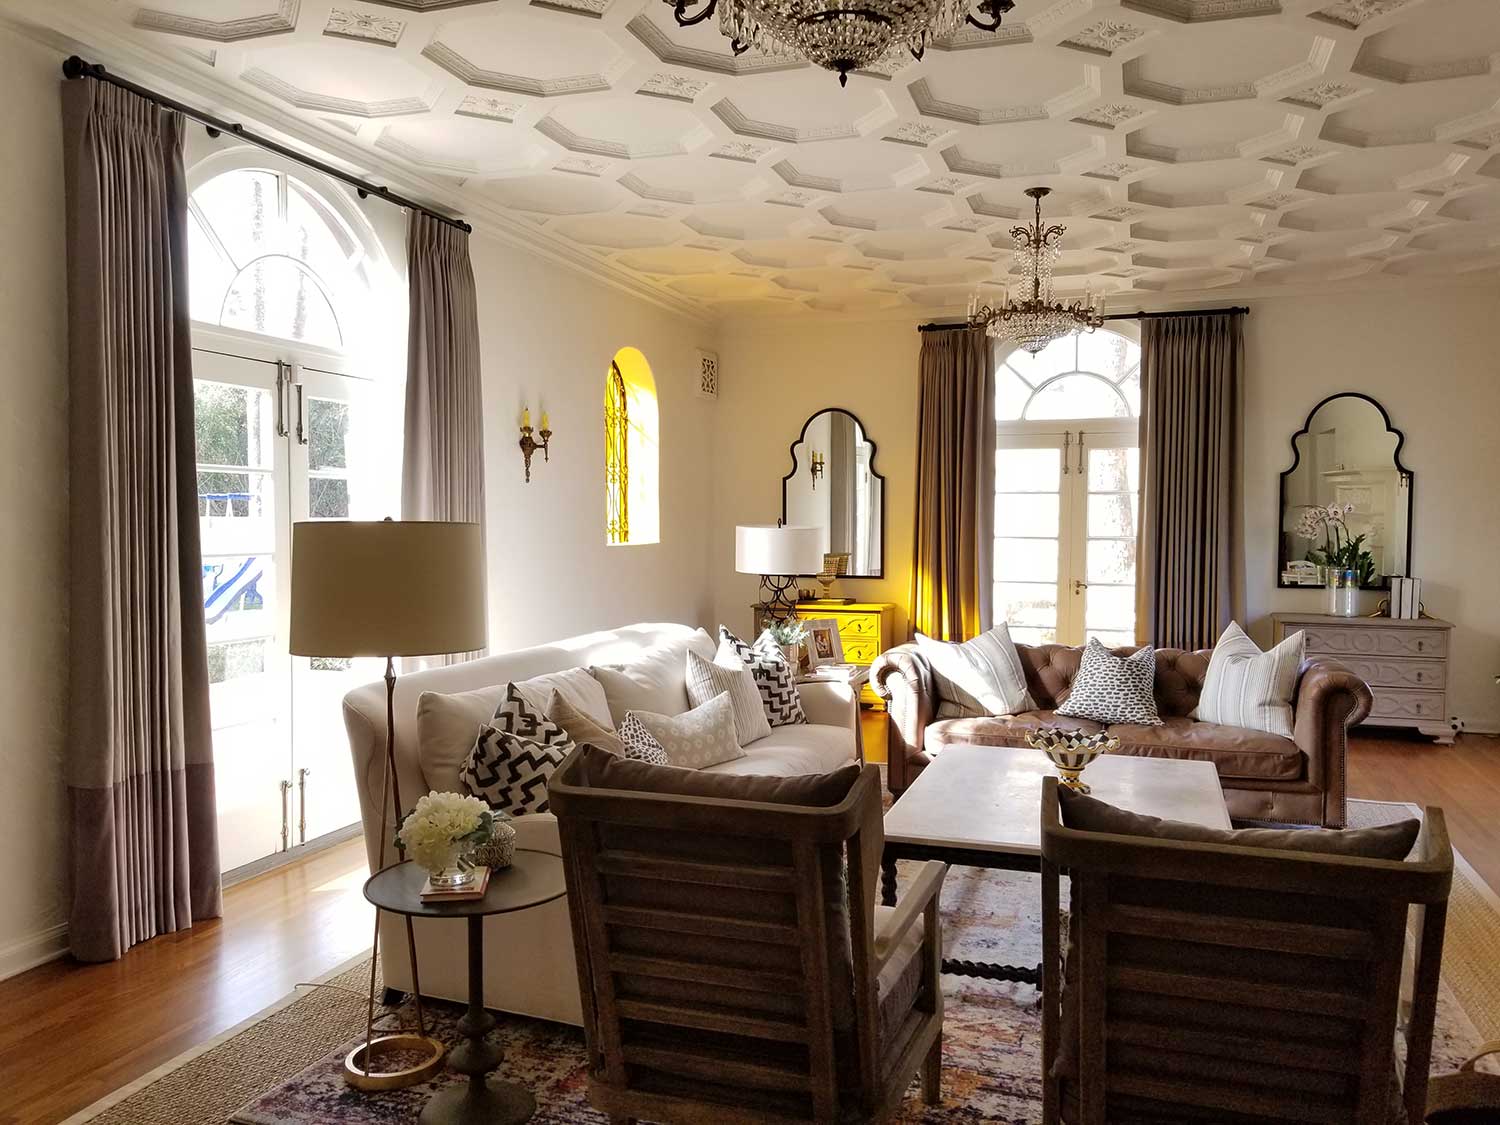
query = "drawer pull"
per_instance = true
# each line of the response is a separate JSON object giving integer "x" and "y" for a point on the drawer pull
{"x": 1421, "y": 645}
{"x": 1419, "y": 677}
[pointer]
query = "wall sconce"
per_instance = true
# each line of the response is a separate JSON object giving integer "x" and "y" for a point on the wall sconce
{"x": 529, "y": 444}
{"x": 816, "y": 468}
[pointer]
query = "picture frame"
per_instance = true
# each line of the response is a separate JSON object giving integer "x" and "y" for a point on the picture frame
{"x": 822, "y": 644}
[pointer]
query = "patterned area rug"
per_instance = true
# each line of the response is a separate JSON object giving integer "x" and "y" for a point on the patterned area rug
{"x": 285, "y": 1068}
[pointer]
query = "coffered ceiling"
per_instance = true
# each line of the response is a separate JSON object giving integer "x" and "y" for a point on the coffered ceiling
{"x": 1194, "y": 146}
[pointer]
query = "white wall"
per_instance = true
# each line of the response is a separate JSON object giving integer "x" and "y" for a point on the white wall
{"x": 1426, "y": 354}
{"x": 33, "y": 505}
{"x": 547, "y": 337}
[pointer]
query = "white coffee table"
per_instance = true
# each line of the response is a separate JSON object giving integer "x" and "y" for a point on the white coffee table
{"x": 980, "y": 806}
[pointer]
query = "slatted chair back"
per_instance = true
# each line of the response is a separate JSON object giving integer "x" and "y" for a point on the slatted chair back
{"x": 722, "y": 978}
{"x": 1228, "y": 984}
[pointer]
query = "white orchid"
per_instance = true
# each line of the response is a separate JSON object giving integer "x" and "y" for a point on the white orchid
{"x": 439, "y": 824}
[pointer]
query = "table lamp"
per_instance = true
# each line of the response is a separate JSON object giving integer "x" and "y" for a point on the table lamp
{"x": 778, "y": 554}
{"x": 388, "y": 589}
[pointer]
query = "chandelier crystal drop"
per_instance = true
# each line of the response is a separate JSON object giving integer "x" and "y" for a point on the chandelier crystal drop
{"x": 841, "y": 35}
{"x": 1037, "y": 317}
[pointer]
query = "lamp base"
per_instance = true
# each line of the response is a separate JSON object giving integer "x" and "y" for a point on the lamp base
{"x": 778, "y": 605}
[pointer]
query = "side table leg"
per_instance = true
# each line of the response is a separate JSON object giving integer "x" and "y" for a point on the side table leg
{"x": 887, "y": 880}
{"x": 479, "y": 1101}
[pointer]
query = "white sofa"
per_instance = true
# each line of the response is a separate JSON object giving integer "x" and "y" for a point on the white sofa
{"x": 528, "y": 956}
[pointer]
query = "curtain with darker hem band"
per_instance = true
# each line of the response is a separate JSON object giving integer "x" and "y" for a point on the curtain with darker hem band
{"x": 139, "y": 766}
{"x": 1192, "y": 376}
{"x": 953, "y": 535}
{"x": 442, "y": 475}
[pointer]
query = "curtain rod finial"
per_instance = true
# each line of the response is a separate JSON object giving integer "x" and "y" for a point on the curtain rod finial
{"x": 74, "y": 67}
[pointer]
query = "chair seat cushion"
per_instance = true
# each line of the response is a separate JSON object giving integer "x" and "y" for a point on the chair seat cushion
{"x": 1000, "y": 730}
{"x": 1235, "y": 751}
{"x": 790, "y": 750}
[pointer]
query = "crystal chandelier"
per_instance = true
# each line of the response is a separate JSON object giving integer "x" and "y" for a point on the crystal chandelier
{"x": 1037, "y": 318}
{"x": 840, "y": 35}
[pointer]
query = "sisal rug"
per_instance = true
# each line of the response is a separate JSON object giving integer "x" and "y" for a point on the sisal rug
{"x": 284, "y": 1067}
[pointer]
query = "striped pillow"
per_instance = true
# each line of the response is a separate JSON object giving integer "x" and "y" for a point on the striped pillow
{"x": 983, "y": 675}
{"x": 705, "y": 680}
{"x": 1245, "y": 687}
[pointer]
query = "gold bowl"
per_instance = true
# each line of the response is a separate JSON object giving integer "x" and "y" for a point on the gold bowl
{"x": 1071, "y": 751}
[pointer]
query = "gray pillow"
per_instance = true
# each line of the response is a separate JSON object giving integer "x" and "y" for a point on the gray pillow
{"x": 727, "y": 675}
{"x": 701, "y": 738}
{"x": 1114, "y": 689}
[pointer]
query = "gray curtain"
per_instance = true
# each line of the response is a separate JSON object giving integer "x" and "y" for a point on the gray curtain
{"x": 442, "y": 474}
{"x": 953, "y": 538}
{"x": 139, "y": 764}
{"x": 840, "y": 484}
{"x": 1192, "y": 376}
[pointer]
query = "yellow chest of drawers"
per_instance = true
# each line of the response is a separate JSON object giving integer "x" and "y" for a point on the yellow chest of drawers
{"x": 864, "y": 631}
{"x": 1404, "y": 662}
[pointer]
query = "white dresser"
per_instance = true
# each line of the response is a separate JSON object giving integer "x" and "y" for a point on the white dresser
{"x": 1404, "y": 662}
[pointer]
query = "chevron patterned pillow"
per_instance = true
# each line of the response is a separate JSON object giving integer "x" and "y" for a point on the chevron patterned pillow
{"x": 516, "y": 715}
{"x": 774, "y": 677}
{"x": 510, "y": 773}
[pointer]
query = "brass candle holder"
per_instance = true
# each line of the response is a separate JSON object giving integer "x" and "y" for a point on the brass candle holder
{"x": 530, "y": 445}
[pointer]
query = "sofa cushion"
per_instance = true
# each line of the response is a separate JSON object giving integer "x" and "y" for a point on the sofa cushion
{"x": 790, "y": 750}
{"x": 509, "y": 772}
{"x": 1246, "y": 687}
{"x": 820, "y": 790}
{"x": 655, "y": 681}
{"x": 1235, "y": 751}
{"x": 448, "y": 724}
{"x": 704, "y": 736}
{"x": 727, "y": 675}
{"x": 582, "y": 728}
{"x": 983, "y": 675}
{"x": 1002, "y": 730}
{"x": 775, "y": 679}
{"x": 1113, "y": 689}
{"x": 640, "y": 745}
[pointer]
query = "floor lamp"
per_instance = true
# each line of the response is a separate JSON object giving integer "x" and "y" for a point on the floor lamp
{"x": 388, "y": 589}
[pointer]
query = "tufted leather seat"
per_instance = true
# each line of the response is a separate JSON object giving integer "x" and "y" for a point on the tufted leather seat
{"x": 1299, "y": 780}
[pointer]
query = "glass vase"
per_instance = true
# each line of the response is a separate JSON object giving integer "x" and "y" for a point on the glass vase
{"x": 1343, "y": 593}
{"x": 453, "y": 871}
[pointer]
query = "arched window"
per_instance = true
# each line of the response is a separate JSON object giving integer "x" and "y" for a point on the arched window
{"x": 270, "y": 256}
{"x": 631, "y": 453}
{"x": 1066, "y": 489}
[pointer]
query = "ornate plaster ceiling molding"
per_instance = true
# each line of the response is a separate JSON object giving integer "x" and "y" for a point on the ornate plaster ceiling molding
{"x": 929, "y": 105}
{"x": 323, "y": 103}
{"x": 279, "y": 21}
{"x": 661, "y": 44}
{"x": 470, "y": 75}
{"x": 554, "y": 130}
{"x": 365, "y": 27}
{"x": 788, "y": 132}
{"x": 1202, "y": 11}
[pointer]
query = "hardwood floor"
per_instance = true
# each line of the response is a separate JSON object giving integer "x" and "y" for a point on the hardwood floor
{"x": 73, "y": 1033}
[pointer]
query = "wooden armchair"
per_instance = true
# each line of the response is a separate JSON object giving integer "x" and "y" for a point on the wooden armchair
{"x": 730, "y": 970}
{"x": 1210, "y": 982}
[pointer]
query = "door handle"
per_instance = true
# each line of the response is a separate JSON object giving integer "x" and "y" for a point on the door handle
{"x": 1067, "y": 442}
{"x": 302, "y": 804}
{"x": 281, "y": 382}
{"x": 286, "y": 814}
{"x": 1079, "y": 585}
{"x": 301, "y": 417}
{"x": 1080, "y": 453}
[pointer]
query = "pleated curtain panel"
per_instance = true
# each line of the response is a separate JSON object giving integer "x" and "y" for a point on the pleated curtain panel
{"x": 953, "y": 538}
{"x": 443, "y": 464}
{"x": 139, "y": 760}
{"x": 1192, "y": 380}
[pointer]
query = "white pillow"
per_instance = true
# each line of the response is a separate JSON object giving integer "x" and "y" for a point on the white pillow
{"x": 655, "y": 681}
{"x": 1245, "y": 687}
{"x": 448, "y": 724}
{"x": 727, "y": 675}
{"x": 983, "y": 674}
{"x": 702, "y": 737}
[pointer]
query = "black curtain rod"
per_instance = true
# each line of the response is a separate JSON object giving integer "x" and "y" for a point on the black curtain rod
{"x": 1110, "y": 316}
{"x": 75, "y": 67}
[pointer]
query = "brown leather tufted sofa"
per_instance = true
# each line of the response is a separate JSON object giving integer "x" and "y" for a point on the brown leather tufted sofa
{"x": 1298, "y": 780}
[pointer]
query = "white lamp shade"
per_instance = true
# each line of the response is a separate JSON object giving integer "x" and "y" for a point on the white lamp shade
{"x": 763, "y": 548}
{"x": 387, "y": 589}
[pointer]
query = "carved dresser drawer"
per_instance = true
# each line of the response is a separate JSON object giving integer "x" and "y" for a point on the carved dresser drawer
{"x": 1405, "y": 663}
{"x": 865, "y": 631}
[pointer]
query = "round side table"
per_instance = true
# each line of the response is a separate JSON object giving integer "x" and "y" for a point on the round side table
{"x": 532, "y": 879}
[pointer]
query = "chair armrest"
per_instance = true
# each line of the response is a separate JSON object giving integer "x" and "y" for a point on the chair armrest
{"x": 923, "y": 892}
{"x": 830, "y": 703}
{"x": 1329, "y": 700}
{"x": 902, "y": 678}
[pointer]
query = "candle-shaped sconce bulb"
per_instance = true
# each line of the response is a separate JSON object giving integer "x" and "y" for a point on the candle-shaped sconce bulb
{"x": 525, "y": 417}
{"x": 545, "y": 426}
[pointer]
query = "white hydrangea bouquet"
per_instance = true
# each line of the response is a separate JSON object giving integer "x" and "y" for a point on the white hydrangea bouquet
{"x": 441, "y": 832}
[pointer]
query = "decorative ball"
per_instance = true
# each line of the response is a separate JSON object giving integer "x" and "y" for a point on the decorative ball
{"x": 499, "y": 849}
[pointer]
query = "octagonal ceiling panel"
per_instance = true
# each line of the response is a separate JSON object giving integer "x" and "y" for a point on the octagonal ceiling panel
{"x": 1191, "y": 144}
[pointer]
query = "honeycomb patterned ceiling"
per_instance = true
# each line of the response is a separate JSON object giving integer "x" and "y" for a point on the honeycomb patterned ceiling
{"x": 1225, "y": 147}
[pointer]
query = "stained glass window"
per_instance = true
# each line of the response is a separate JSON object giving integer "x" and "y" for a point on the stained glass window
{"x": 617, "y": 456}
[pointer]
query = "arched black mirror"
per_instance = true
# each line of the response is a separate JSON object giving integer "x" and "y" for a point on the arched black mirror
{"x": 833, "y": 485}
{"x": 1346, "y": 500}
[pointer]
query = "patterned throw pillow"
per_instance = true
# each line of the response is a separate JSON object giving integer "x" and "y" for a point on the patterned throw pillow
{"x": 515, "y": 714}
{"x": 510, "y": 773}
{"x": 774, "y": 677}
{"x": 1245, "y": 687}
{"x": 731, "y": 678}
{"x": 1114, "y": 689}
{"x": 703, "y": 737}
{"x": 640, "y": 743}
{"x": 983, "y": 675}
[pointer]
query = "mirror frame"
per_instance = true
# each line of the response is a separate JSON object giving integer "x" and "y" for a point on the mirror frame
{"x": 874, "y": 449}
{"x": 1407, "y": 475}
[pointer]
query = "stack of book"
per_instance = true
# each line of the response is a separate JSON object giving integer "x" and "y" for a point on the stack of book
{"x": 473, "y": 892}
{"x": 1406, "y": 598}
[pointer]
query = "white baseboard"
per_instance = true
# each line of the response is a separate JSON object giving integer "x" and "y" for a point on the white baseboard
{"x": 32, "y": 951}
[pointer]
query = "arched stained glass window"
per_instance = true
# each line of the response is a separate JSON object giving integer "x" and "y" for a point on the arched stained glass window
{"x": 268, "y": 255}
{"x": 631, "y": 451}
{"x": 1085, "y": 375}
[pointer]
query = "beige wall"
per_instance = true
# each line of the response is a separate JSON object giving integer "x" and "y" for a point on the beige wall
{"x": 33, "y": 505}
{"x": 1427, "y": 354}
